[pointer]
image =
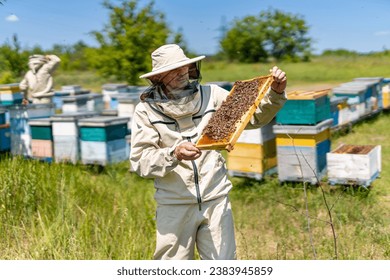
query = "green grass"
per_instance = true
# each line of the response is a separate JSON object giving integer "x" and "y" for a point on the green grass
{"x": 61, "y": 211}
{"x": 64, "y": 211}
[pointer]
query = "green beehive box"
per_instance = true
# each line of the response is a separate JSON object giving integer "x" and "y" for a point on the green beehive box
{"x": 305, "y": 108}
{"x": 41, "y": 129}
{"x": 103, "y": 128}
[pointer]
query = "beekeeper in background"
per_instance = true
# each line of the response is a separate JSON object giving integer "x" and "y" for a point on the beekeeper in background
{"x": 37, "y": 84}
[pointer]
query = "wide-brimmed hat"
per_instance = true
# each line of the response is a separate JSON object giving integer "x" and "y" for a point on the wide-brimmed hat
{"x": 167, "y": 58}
{"x": 37, "y": 59}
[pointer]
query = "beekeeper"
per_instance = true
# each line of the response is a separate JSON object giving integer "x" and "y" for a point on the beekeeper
{"x": 192, "y": 186}
{"x": 37, "y": 84}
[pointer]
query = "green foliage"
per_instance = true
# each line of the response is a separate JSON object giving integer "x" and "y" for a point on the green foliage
{"x": 127, "y": 40}
{"x": 13, "y": 59}
{"x": 74, "y": 57}
{"x": 272, "y": 33}
{"x": 339, "y": 52}
{"x": 245, "y": 41}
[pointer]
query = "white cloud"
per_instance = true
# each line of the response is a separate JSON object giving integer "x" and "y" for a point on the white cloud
{"x": 12, "y": 18}
{"x": 382, "y": 33}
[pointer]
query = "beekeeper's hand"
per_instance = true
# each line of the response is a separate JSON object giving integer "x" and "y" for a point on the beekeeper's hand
{"x": 187, "y": 151}
{"x": 280, "y": 80}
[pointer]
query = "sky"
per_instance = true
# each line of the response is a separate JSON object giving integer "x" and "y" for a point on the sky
{"x": 357, "y": 25}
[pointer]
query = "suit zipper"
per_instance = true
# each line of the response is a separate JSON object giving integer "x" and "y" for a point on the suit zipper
{"x": 196, "y": 179}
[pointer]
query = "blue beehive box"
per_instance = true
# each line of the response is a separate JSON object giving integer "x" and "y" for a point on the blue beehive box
{"x": 2, "y": 116}
{"x": 20, "y": 128}
{"x": 305, "y": 108}
{"x": 5, "y": 139}
{"x": 103, "y": 140}
{"x": 337, "y": 105}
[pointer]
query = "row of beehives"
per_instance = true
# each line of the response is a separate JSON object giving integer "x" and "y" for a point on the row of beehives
{"x": 115, "y": 99}
{"x": 302, "y": 154}
{"x": 36, "y": 131}
{"x": 296, "y": 145}
{"x": 345, "y": 104}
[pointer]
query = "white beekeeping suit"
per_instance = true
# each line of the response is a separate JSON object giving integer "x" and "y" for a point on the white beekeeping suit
{"x": 37, "y": 84}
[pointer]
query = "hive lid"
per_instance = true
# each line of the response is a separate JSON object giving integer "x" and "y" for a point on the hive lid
{"x": 81, "y": 97}
{"x": 303, "y": 129}
{"x": 307, "y": 95}
{"x": 102, "y": 121}
{"x": 40, "y": 122}
{"x": 205, "y": 142}
{"x": 353, "y": 149}
{"x": 72, "y": 116}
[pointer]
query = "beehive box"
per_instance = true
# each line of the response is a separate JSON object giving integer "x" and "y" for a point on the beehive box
{"x": 374, "y": 83}
{"x": 103, "y": 128}
{"x": 5, "y": 138}
{"x": 111, "y": 92}
{"x": 356, "y": 94}
{"x": 339, "y": 110}
{"x": 90, "y": 102}
{"x": 301, "y": 151}
{"x": 252, "y": 160}
{"x": 373, "y": 96}
{"x": 20, "y": 115}
{"x": 305, "y": 108}
{"x": 254, "y": 154}
{"x": 354, "y": 164}
{"x": 42, "y": 139}
{"x": 103, "y": 140}
{"x": 66, "y": 135}
{"x": 126, "y": 107}
{"x": 57, "y": 100}
{"x": 2, "y": 116}
{"x": 386, "y": 96}
{"x": 228, "y": 122}
{"x": 10, "y": 94}
{"x": 103, "y": 153}
{"x": 41, "y": 129}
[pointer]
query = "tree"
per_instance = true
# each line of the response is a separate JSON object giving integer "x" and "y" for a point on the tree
{"x": 245, "y": 41}
{"x": 127, "y": 40}
{"x": 12, "y": 59}
{"x": 286, "y": 36}
{"x": 271, "y": 34}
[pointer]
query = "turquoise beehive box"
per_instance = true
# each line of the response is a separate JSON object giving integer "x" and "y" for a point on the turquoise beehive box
{"x": 103, "y": 140}
{"x": 305, "y": 108}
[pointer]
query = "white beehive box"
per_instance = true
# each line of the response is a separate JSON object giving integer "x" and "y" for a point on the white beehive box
{"x": 66, "y": 135}
{"x": 259, "y": 135}
{"x": 354, "y": 164}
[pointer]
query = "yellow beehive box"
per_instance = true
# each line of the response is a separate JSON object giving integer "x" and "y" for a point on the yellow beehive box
{"x": 252, "y": 160}
{"x": 386, "y": 96}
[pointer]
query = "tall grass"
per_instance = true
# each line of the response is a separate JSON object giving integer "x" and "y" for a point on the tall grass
{"x": 60, "y": 211}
